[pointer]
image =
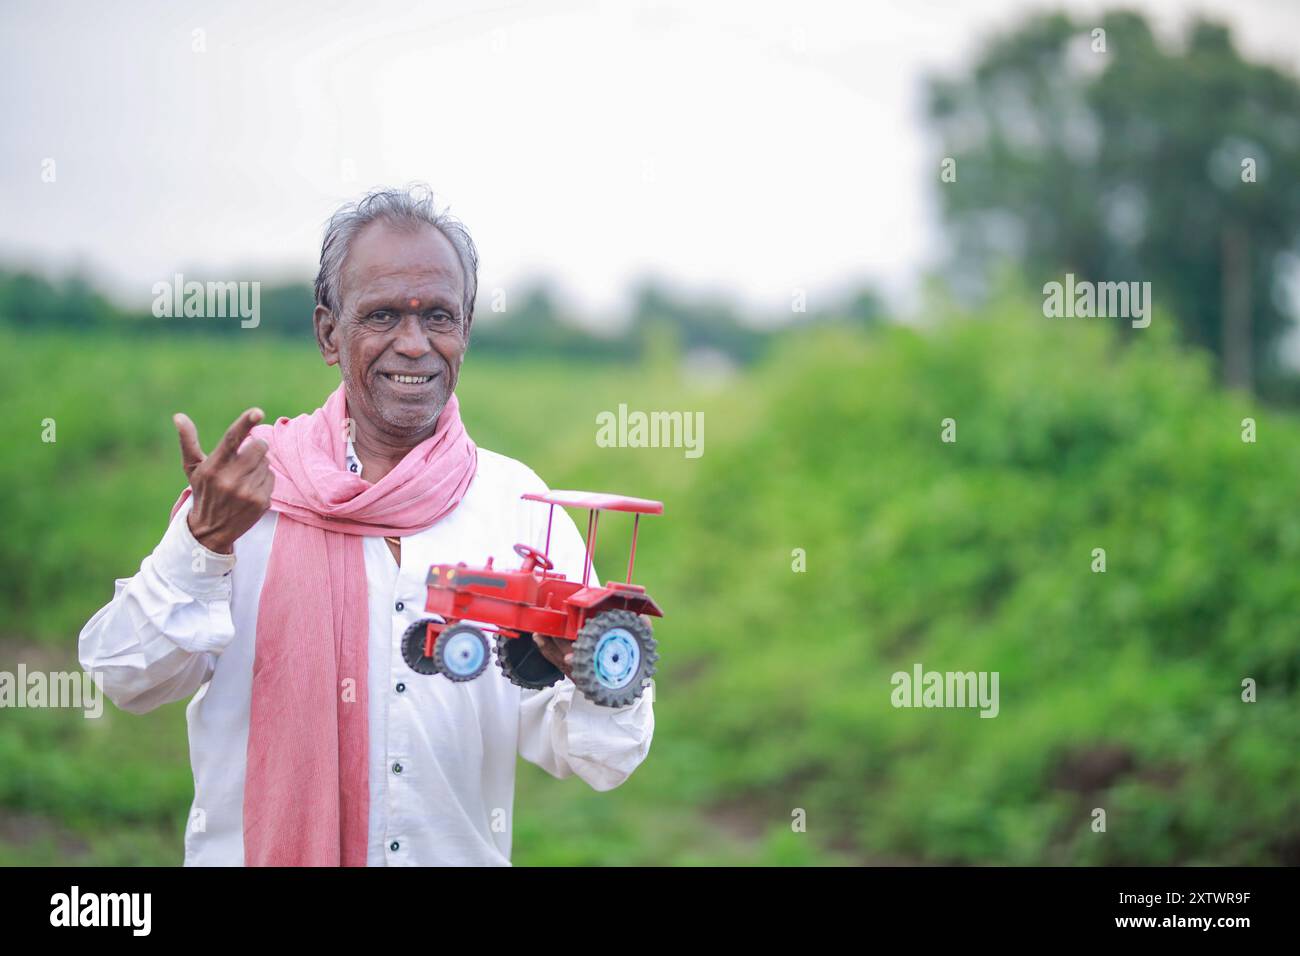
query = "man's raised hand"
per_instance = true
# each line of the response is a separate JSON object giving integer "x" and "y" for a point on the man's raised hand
{"x": 232, "y": 488}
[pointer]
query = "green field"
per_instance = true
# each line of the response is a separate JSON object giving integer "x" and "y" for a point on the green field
{"x": 1119, "y": 690}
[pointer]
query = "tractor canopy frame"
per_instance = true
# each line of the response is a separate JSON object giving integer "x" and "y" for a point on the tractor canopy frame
{"x": 596, "y": 502}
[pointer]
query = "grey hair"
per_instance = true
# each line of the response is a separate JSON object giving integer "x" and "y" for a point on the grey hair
{"x": 410, "y": 207}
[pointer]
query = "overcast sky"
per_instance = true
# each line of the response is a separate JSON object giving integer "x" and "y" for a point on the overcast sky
{"x": 745, "y": 148}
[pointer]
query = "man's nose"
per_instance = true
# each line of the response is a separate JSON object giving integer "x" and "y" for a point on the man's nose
{"x": 411, "y": 340}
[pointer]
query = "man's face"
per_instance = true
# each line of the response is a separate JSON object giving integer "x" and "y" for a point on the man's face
{"x": 399, "y": 316}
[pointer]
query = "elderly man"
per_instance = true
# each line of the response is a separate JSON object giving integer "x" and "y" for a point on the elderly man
{"x": 296, "y": 560}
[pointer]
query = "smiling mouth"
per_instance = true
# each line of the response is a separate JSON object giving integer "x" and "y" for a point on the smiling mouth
{"x": 408, "y": 379}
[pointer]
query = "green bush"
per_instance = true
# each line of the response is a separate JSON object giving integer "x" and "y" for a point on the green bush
{"x": 1120, "y": 690}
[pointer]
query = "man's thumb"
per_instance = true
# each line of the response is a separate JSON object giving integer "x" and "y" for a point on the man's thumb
{"x": 191, "y": 453}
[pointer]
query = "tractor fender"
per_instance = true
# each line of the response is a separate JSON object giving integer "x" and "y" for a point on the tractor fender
{"x": 595, "y": 600}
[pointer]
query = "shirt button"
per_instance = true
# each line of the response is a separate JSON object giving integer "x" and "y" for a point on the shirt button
{"x": 401, "y": 688}
{"x": 401, "y": 606}
{"x": 394, "y": 846}
{"x": 397, "y": 768}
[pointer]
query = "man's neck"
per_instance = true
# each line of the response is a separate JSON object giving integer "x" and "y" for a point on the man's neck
{"x": 378, "y": 455}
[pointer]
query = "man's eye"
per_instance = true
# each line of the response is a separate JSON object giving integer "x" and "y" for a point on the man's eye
{"x": 441, "y": 320}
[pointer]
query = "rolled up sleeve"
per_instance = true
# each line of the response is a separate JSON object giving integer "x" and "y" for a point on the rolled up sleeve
{"x": 157, "y": 640}
{"x": 564, "y": 733}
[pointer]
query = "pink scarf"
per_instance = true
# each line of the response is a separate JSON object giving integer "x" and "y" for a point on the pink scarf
{"x": 307, "y": 789}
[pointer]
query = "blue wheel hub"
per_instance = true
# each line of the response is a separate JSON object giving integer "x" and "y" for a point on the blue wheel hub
{"x": 464, "y": 654}
{"x": 617, "y": 658}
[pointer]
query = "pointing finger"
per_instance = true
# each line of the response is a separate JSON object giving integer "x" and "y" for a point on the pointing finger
{"x": 191, "y": 453}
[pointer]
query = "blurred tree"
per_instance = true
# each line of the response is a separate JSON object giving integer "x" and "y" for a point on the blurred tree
{"x": 1089, "y": 148}
{"x": 533, "y": 324}
{"x": 28, "y": 300}
{"x": 865, "y": 307}
{"x": 706, "y": 324}
{"x": 286, "y": 310}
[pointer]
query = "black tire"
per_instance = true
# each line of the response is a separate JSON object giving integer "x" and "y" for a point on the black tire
{"x": 595, "y": 682}
{"x": 523, "y": 664}
{"x": 440, "y": 652}
{"x": 413, "y": 648}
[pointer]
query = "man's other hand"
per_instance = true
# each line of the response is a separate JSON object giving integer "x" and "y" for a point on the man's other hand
{"x": 558, "y": 652}
{"x": 232, "y": 488}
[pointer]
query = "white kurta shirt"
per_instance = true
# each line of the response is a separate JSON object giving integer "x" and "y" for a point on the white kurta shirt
{"x": 442, "y": 754}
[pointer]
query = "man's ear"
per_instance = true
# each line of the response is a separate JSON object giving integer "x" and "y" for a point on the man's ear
{"x": 326, "y": 334}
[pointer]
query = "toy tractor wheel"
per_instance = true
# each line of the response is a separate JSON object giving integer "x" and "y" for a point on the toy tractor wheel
{"x": 413, "y": 648}
{"x": 613, "y": 656}
{"x": 523, "y": 663}
{"x": 461, "y": 652}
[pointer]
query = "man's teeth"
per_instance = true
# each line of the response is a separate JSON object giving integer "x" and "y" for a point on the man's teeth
{"x": 410, "y": 379}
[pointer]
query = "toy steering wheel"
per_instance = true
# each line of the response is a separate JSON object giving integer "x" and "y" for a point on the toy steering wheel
{"x": 538, "y": 559}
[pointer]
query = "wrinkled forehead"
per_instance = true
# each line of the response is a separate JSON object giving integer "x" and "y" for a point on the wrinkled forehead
{"x": 391, "y": 264}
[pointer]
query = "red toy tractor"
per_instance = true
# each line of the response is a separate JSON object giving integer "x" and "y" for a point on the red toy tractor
{"x": 614, "y": 650}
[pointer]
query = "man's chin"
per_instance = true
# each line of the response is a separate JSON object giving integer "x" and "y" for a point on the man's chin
{"x": 409, "y": 415}
{"x": 415, "y": 421}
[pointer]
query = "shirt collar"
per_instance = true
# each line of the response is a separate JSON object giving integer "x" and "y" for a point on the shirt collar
{"x": 351, "y": 460}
